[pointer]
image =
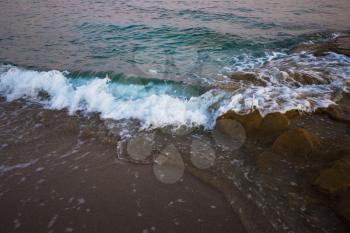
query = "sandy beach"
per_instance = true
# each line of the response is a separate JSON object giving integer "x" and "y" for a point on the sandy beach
{"x": 54, "y": 180}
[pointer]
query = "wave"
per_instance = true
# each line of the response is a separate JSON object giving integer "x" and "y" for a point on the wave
{"x": 151, "y": 104}
{"x": 277, "y": 82}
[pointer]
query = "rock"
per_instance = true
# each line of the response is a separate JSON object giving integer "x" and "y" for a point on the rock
{"x": 275, "y": 172}
{"x": 307, "y": 79}
{"x": 247, "y": 77}
{"x": 274, "y": 122}
{"x": 335, "y": 179}
{"x": 323, "y": 158}
{"x": 229, "y": 134}
{"x": 112, "y": 127}
{"x": 44, "y": 116}
{"x": 250, "y": 121}
{"x": 295, "y": 142}
{"x": 291, "y": 114}
{"x": 339, "y": 113}
{"x": 109, "y": 140}
{"x": 87, "y": 133}
{"x": 70, "y": 127}
{"x": 343, "y": 206}
{"x": 340, "y": 45}
{"x": 43, "y": 95}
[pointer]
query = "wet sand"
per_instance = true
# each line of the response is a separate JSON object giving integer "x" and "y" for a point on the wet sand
{"x": 53, "y": 179}
{"x": 61, "y": 173}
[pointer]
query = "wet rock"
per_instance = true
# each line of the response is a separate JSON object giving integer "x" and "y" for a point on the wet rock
{"x": 94, "y": 117}
{"x": 324, "y": 158}
{"x": 102, "y": 135}
{"x": 339, "y": 113}
{"x": 275, "y": 172}
{"x": 303, "y": 78}
{"x": 112, "y": 127}
{"x": 343, "y": 206}
{"x": 88, "y": 132}
{"x": 43, "y": 116}
{"x": 340, "y": 45}
{"x": 291, "y": 114}
{"x": 296, "y": 142}
{"x": 302, "y": 201}
{"x": 70, "y": 127}
{"x": 229, "y": 134}
{"x": 250, "y": 121}
{"x": 274, "y": 122}
{"x": 336, "y": 178}
{"x": 247, "y": 77}
{"x": 110, "y": 140}
{"x": 43, "y": 95}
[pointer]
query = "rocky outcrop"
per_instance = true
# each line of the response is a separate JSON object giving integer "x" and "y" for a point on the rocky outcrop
{"x": 43, "y": 95}
{"x": 339, "y": 45}
{"x": 274, "y": 122}
{"x": 335, "y": 179}
{"x": 247, "y": 77}
{"x": 343, "y": 206}
{"x": 339, "y": 113}
{"x": 296, "y": 142}
{"x": 249, "y": 121}
{"x": 342, "y": 45}
{"x": 291, "y": 114}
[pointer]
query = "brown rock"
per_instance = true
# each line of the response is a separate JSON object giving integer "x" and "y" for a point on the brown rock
{"x": 110, "y": 140}
{"x": 291, "y": 114}
{"x": 339, "y": 113}
{"x": 295, "y": 142}
{"x": 247, "y": 77}
{"x": 325, "y": 157}
{"x": 336, "y": 178}
{"x": 44, "y": 116}
{"x": 249, "y": 121}
{"x": 275, "y": 173}
{"x": 342, "y": 44}
{"x": 70, "y": 127}
{"x": 229, "y": 134}
{"x": 274, "y": 122}
{"x": 343, "y": 206}
{"x": 307, "y": 79}
{"x": 87, "y": 133}
{"x": 339, "y": 45}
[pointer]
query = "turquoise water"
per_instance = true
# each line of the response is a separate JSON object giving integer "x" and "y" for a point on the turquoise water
{"x": 171, "y": 59}
{"x": 176, "y": 38}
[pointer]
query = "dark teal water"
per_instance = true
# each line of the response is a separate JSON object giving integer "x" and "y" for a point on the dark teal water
{"x": 168, "y": 62}
{"x": 176, "y": 38}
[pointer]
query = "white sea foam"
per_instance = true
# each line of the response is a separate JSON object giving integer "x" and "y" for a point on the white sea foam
{"x": 7, "y": 168}
{"x": 153, "y": 110}
{"x": 279, "y": 88}
{"x": 155, "y": 106}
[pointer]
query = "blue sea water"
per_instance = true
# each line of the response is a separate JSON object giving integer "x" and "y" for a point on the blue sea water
{"x": 169, "y": 62}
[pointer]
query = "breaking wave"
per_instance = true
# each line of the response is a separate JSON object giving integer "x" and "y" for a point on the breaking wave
{"x": 275, "y": 82}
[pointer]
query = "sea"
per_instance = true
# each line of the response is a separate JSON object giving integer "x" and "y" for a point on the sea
{"x": 171, "y": 63}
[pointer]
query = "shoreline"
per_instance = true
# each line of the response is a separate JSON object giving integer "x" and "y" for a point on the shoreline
{"x": 250, "y": 188}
